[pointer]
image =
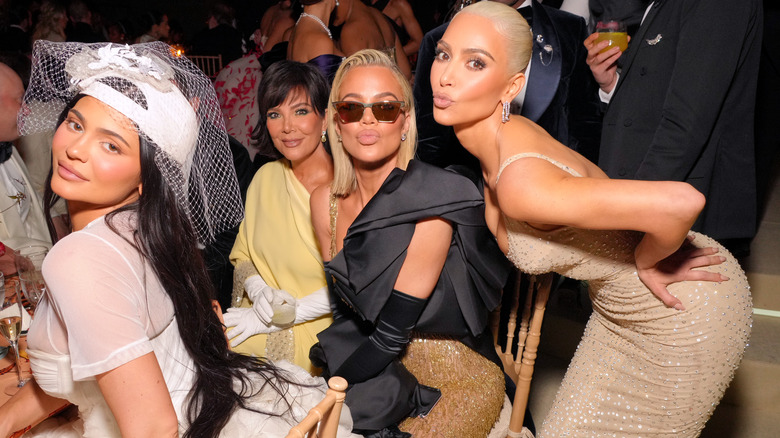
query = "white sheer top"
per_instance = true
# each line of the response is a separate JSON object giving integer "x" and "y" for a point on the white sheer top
{"x": 106, "y": 307}
{"x": 105, "y": 303}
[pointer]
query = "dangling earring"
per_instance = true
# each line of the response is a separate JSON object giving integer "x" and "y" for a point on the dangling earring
{"x": 337, "y": 3}
{"x": 505, "y": 112}
{"x": 403, "y": 137}
{"x": 323, "y": 138}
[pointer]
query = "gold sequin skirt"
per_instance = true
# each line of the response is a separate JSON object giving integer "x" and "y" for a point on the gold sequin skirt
{"x": 643, "y": 369}
{"x": 472, "y": 389}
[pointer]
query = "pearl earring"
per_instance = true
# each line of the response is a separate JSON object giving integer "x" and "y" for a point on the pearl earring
{"x": 323, "y": 138}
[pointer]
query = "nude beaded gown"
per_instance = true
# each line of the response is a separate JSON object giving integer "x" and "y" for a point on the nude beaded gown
{"x": 641, "y": 369}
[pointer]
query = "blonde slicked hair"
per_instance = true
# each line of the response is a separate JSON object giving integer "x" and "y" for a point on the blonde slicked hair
{"x": 344, "y": 181}
{"x": 511, "y": 26}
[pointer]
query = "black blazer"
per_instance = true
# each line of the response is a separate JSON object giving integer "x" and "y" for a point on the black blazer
{"x": 684, "y": 104}
{"x": 562, "y": 96}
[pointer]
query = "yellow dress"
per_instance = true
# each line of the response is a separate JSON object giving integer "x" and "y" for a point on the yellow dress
{"x": 276, "y": 240}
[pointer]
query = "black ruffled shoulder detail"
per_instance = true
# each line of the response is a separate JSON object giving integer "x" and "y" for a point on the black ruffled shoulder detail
{"x": 364, "y": 272}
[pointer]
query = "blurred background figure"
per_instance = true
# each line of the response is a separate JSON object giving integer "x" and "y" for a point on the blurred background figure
{"x": 15, "y": 26}
{"x": 81, "y": 26}
{"x": 274, "y": 26}
{"x": 311, "y": 39}
{"x": 51, "y": 22}
{"x": 152, "y": 26}
{"x": 364, "y": 27}
{"x": 116, "y": 32}
{"x": 221, "y": 36}
{"x": 406, "y": 25}
{"x": 21, "y": 211}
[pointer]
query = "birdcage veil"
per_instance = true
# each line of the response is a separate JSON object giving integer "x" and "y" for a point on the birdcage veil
{"x": 170, "y": 103}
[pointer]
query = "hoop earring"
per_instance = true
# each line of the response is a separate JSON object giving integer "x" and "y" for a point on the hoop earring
{"x": 323, "y": 138}
{"x": 403, "y": 137}
{"x": 505, "y": 112}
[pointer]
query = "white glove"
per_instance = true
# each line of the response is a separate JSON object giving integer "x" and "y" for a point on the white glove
{"x": 245, "y": 323}
{"x": 313, "y": 306}
{"x": 262, "y": 296}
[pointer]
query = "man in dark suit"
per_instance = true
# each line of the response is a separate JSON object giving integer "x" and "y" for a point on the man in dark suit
{"x": 80, "y": 26}
{"x": 682, "y": 107}
{"x": 560, "y": 95}
{"x": 221, "y": 37}
{"x": 14, "y": 33}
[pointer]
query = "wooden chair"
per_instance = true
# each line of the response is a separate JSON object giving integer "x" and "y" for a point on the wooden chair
{"x": 520, "y": 366}
{"x": 323, "y": 419}
{"x": 210, "y": 65}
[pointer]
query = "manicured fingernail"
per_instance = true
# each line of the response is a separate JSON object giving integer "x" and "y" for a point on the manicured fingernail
{"x": 679, "y": 306}
{"x": 724, "y": 278}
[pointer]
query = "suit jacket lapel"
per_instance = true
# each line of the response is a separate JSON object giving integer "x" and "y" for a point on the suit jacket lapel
{"x": 546, "y": 70}
{"x": 627, "y": 59}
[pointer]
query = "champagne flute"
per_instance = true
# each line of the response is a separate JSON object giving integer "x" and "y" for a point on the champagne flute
{"x": 11, "y": 327}
{"x": 29, "y": 260}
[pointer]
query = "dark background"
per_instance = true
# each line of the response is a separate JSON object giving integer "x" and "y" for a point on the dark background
{"x": 191, "y": 14}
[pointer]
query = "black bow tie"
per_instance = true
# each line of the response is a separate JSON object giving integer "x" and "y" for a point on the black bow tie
{"x": 528, "y": 13}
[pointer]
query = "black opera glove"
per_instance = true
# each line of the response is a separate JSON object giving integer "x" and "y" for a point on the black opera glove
{"x": 394, "y": 325}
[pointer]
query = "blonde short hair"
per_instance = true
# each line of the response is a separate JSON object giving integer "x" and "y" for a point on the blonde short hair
{"x": 344, "y": 181}
{"x": 511, "y": 26}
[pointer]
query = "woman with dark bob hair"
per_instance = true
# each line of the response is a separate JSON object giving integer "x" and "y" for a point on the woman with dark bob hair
{"x": 126, "y": 330}
{"x": 276, "y": 254}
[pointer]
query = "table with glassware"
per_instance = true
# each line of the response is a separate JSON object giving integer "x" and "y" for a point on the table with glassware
{"x": 8, "y": 369}
{"x": 22, "y": 291}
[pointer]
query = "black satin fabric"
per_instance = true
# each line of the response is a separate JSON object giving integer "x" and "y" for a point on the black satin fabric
{"x": 363, "y": 274}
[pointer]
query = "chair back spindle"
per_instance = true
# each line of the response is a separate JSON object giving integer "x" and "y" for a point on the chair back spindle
{"x": 209, "y": 65}
{"x": 322, "y": 420}
{"x": 520, "y": 366}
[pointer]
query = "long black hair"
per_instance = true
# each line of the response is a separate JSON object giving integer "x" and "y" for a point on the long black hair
{"x": 165, "y": 237}
{"x": 280, "y": 80}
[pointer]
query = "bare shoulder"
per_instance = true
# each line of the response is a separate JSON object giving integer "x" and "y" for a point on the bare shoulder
{"x": 400, "y": 8}
{"x": 526, "y": 137}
